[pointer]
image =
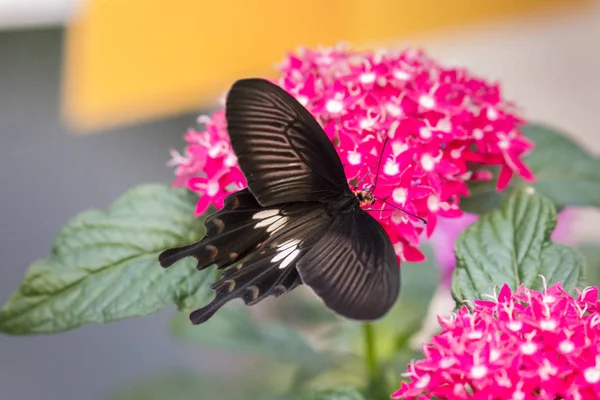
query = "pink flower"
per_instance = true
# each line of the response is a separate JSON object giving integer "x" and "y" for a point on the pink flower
{"x": 521, "y": 345}
{"x": 209, "y": 166}
{"x": 448, "y": 229}
{"x": 442, "y": 125}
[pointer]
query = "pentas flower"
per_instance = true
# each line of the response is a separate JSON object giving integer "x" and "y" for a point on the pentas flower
{"x": 522, "y": 345}
{"x": 442, "y": 125}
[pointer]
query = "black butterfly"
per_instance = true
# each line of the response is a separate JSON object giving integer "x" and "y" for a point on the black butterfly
{"x": 297, "y": 222}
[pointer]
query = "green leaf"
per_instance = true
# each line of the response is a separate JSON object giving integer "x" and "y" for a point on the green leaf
{"x": 512, "y": 245}
{"x": 565, "y": 173}
{"x": 232, "y": 329}
{"x": 483, "y": 196}
{"x": 103, "y": 265}
{"x": 591, "y": 252}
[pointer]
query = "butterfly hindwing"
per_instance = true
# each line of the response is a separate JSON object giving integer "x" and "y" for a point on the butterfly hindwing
{"x": 230, "y": 235}
{"x": 257, "y": 247}
{"x": 282, "y": 150}
{"x": 353, "y": 268}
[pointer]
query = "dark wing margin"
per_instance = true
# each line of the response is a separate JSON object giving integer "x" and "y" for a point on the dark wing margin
{"x": 282, "y": 150}
{"x": 353, "y": 268}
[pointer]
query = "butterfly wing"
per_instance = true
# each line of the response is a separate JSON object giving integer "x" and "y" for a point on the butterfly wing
{"x": 353, "y": 268}
{"x": 282, "y": 150}
{"x": 256, "y": 247}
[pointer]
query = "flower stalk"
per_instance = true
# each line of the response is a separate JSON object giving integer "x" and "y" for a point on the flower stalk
{"x": 370, "y": 351}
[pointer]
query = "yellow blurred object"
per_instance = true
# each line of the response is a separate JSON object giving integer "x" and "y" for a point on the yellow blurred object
{"x": 136, "y": 59}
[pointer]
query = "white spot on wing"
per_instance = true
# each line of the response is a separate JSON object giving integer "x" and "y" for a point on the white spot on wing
{"x": 289, "y": 243}
{"x": 265, "y": 214}
{"x": 289, "y": 259}
{"x": 267, "y": 222}
{"x": 277, "y": 224}
{"x": 284, "y": 253}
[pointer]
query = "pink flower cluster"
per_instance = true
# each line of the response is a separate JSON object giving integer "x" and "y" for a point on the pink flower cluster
{"x": 522, "y": 345}
{"x": 443, "y": 124}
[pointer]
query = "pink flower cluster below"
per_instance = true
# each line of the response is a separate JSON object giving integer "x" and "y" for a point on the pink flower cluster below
{"x": 520, "y": 346}
{"x": 443, "y": 125}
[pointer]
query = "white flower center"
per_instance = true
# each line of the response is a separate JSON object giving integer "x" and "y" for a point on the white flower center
{"x": 214, "y": 151}
{"x": 212, "y": 188}
{"x": 494, "y": 355}
{"x": 456, "y": 153}
{"x": 433, "y": 204}
{"x": 427, "y": 162}
{"x": 566, "y": 346}
{"x": 515, "y": 326}
{"x": 393, "y": 109}
{"x": 548, "y": 324}
{"x": 423, "y": 381}
{"x": 399, "y": 195}
{"x": 401, "y": 75}
{"x": 478, "y": 371}
{"x": 302, "y": 99}
{"x": 528, "y": 348}
{"x": 518, "y": 395}
{"x": 391, "y": 168}
{"x": 367, "y": 77}
{"x": 592, "y": 375}
{"x": 446, "y": 362}
{"x": 230, "y": 160}
{"x": 334, "y": 106}
{"x": 444, "y": 125}
{"x": 474, "y": 335}
{"x": 504, "y": 144}
{"x": 425, "y": 132}
{"x": 426, "y": 101}
{"x": 366, "y": 123}
{"x": 354, "y": 157}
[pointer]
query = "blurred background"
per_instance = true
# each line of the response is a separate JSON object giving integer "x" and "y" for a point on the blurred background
{"x": 94, "y": 93}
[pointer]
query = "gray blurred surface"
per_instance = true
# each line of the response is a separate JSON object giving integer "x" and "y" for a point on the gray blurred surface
{"x": 47, "y": 176}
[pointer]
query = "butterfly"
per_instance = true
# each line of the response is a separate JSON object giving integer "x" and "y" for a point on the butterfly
{"x": 297, "y": 222}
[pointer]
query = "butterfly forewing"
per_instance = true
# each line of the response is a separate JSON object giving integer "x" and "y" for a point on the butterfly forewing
{"x": 282, "y": 150}
{"x": 353, "y": 268}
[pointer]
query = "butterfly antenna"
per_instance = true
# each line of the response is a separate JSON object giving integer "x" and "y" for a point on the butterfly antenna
{"x": 423, "y": 220}
{"x": 363, "y": 178}
{"x": 379, "y": 164}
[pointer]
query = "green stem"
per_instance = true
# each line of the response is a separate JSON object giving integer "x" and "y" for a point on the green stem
{"x": 370, "y": 354}
{"x": 376, "y": 385}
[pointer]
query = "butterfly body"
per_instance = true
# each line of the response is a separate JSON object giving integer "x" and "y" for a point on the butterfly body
{"x": 298, "y": 222}
{"x": 364, "y": 197}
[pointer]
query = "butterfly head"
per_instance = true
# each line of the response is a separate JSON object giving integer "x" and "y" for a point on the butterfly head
{"x": 364, "y": 197}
